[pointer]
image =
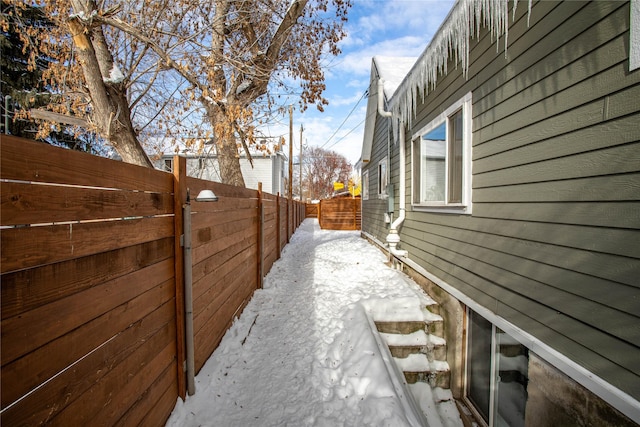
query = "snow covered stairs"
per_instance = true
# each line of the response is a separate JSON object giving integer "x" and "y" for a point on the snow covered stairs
{"x": 413, "y": 332}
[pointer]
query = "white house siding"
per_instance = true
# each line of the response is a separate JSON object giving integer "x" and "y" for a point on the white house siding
{"x": 269, "y": 170}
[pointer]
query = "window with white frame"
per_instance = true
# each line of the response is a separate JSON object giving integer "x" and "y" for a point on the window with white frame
{"x": 365, "y": 185}
{"x": 634, "y": 36}
{"x": 442, "y": 161}
{"x": 383, "y": 179}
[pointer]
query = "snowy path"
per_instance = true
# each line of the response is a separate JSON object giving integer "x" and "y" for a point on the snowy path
{"x": 301, "y": 354}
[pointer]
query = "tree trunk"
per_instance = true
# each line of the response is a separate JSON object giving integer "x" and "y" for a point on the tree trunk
{"x": 229, "y": 161}
{"x": 111, "y": 113}
{"x": 122, "y": 134}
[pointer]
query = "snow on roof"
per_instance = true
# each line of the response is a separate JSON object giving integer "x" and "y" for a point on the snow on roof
{"x": 392, "y": 70}
{"x": 451, "y": 41}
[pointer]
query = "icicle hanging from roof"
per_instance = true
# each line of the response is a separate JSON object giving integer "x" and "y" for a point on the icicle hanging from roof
{"x": 451, "y": 41}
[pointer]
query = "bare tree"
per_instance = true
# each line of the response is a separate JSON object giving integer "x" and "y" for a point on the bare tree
{"x": 223, "y": 55}
{"x": 321, "y": 168}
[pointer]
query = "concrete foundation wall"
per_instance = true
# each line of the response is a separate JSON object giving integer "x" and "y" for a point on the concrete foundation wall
{"x": 557, "y": 400}
{"x": 453, "y": 314}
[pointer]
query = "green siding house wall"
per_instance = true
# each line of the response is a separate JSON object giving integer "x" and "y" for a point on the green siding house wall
{"x": 550, "y": 239}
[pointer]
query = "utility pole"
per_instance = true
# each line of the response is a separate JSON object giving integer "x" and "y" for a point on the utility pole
{"x": 300, "y": 160}
{"x": 290, "y": 152}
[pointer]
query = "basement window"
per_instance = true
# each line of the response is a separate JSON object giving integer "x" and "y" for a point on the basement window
{"x": 497, "y": 374}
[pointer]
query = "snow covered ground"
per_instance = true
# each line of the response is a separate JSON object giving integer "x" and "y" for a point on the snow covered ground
{"x": 303, "y": 352}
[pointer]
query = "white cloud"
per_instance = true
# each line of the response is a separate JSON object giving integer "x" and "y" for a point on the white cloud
{"x": 339, "y": 100}
{"x": 385, "y": 28}
{"x": 358, "y": 62}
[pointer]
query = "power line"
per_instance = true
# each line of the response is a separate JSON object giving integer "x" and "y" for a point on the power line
{"x": 347, "y": 134}
{"x": 344, "y": 121}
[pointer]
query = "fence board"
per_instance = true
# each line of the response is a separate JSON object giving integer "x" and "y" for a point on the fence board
{"x": 216, "y": 261}
{"x": 131, "y": 382}
{"x": 161, "y": 394}
{"x": 24, "y": 203}
{"x": 92, "y": 301}
{"x": 26, "y": 160}
{"x": 69, "y": 241}
{"x": 284, "y": 238}
{"x": 30, "y": 330}
{"x": 105, "y": 399}
{"x": 225, "y": 278}
{"x": 27, "y": 289}
{"x": 340, "y": 214}
{"x": 159, "y": 408}
{"x": 311, "y": 210}
{"x": 195, "y": 185}
{"x": 25, "y": 373}
{"x": 229, "y": 305}
{"x": 45, "y": 402}
{"x": 224, "y": 236}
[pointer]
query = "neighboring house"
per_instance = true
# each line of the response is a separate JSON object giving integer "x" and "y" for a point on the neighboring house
{"x": 507, "y": 183}
{"x": 269, "y": 169}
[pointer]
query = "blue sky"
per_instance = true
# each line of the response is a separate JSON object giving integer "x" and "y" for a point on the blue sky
{"x": 375, "y": 27}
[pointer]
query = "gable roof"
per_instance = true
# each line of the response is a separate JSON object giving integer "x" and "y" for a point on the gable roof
{"x": 391, "y": 70}
{"x": 451, "y": 41}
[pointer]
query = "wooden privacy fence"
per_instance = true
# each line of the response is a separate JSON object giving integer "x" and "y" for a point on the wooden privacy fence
{"x": 92, "y": 273}
{"x": 340, "y": 214}
{"x": 311, "y": 210}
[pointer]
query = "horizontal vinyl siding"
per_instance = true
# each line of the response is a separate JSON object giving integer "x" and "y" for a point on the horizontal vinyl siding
{"x": 373, "y": 209}
{"x": 553, "y": 244}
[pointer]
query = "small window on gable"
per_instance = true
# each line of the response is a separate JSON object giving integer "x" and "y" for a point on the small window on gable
{"x": 365, "y": 185}
{"x": 442, "y": 161}
{"x": 382, "y": 178}
{"x": 168, "y": 165}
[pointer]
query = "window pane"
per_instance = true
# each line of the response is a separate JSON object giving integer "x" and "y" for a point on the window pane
{"x": 455, "y": 158}
{"x": 365, "y": 185}
{"x": 513, "y": 371}
{"x": 433, "y": 169}
{"x": 479, "y": 364}
{"x": 382, "y": 177}
{"x": 416, "y": 166}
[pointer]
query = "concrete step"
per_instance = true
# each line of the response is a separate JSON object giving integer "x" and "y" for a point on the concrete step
{"x": 417, "y": 367}
{"x": 406, "y": 320}
{"x": 413, "y": 332}
{"x": 402, "y": 345}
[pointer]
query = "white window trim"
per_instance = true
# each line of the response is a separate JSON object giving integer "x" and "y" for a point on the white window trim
{"x": 442, "y": 207}
{"x": 365, "y": 185}
{"x": 493, "y": 386}
{"x": 382, "y": 192}
{"x": 634, "y": 36}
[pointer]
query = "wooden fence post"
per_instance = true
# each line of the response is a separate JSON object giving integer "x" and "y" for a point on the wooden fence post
{"x": 179, "y": 198}
{"x": 278, "y": 225}
{"x": 355, "y": 214}
{"x": 288, "y": 215}
{"x": 260, "y": 236}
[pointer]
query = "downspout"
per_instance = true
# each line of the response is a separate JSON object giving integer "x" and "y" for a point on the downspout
{"x": 393, "y": 238}
{"x": 188, "y": 297}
